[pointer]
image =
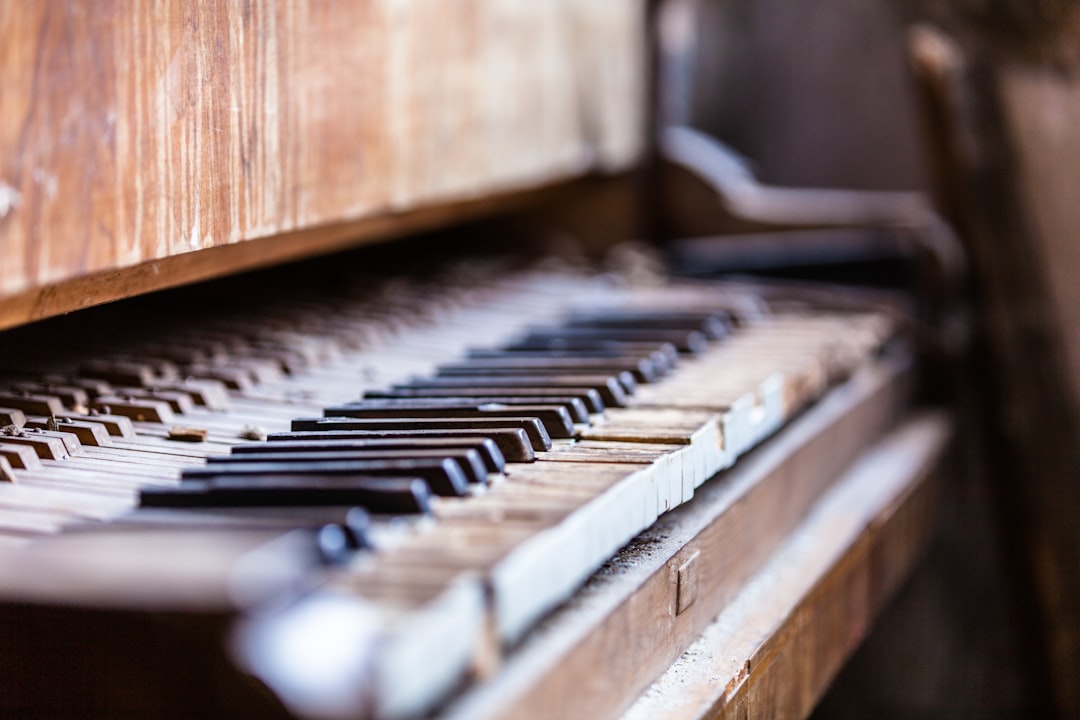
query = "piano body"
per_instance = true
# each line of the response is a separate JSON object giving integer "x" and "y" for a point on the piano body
{"x": 419, "y": 478}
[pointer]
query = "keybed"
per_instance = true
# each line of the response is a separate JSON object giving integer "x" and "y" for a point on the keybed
{"x": 458, "y": 458}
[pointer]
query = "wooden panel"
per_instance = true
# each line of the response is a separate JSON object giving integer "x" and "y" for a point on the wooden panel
{"x": 1041, "y": 108}
{"x": 131, "y": 132}
{"x": 1007, "y": 134}
{"x": 1042, "y": 111}
{"x": 99, "y": 287}
{"x": 775, "y": 648}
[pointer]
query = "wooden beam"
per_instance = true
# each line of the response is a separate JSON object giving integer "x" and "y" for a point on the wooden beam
{"x": 130, "y": 133}
{"x": 84, "y": 291}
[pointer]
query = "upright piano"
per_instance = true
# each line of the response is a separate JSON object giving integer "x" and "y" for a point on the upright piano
{"x": 317, "y": 399}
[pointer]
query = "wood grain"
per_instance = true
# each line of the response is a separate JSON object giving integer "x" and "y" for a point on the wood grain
{"x": 1006, "y": 134}
{"x": 623, "y": 629}
{"x": 84, "y": 291}
{"x": 135, "y": 132}
{"x": 776, "y": 647}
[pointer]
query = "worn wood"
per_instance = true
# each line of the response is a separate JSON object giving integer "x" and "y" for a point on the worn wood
{"x": 1007, "y": 133}
{"x": 619, "y": 633}
{"x": 95, "y": 288}
{"x": 134, "y": 133}
{"x": 776, "y": 647}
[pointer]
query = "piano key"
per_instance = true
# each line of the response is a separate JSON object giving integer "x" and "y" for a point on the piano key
{"x": 556, "y": 419}
{"x": 115, "y": 425}
{"x": 70, "y": 396}
{"x": 92, "y": 386}
{"x": 12, "y": 416}
{"x": 22, "y": 456}
{"x": 32, "y": 403}
{"x": 468, "y": 460}
{"x": 389, "y": 496}
{"x": 611, "y": 391}
{"x": 685, "y": 341}
{"x": 533, "y": 428}
{"x": 132, "y": 373}
{"x": 485, "y": 448}
{"x": 573, "y": 406}
{"x": 88, "y": 433}
{"x": 574, "y": 344}
{"x": 262, "y": 370}
{"x": 234, "y": 378}
{"x": 590, "y": 399}
{"x": 714, "y": 326}
{"x": 179, "y": 401}
{"x": 47, "y": 447}
{"x": 443, "y": 475}
{"x": 154, "y": 411}
{"x": 513, "y": 443}
{"x": 659, "y": 361}
{"x": 625, "y": 379}
{"x": 643, "y": 370}
{"x": 184, "y": 354}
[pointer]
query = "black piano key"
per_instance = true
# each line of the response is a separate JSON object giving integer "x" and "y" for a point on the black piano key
{"x": 383, "y": 496}
{"x": 442, "y": 475}
{"x": 513, "y": 443}
{"x": 714, "y": 326}
{"x": 534, "y": 429}
{"x": 611, "y": 391}
{"x": 590, "y": 400}
{"x": 686, "y": 341}
{"x": 555, "y": 418}
{"x": 643, "y": 370}
{"x": 658, "y": 360}
{"x": 625, "y": 379}
{"x": 469, "y": 461}
{"x": 485, "y": 448}
{"x": 575, "y": 344}
{"x": 573, "y": 406}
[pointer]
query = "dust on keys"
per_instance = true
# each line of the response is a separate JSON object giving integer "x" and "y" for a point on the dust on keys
{"x": 438, "y": 463}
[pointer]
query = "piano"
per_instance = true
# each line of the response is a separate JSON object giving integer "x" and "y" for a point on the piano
{"x": 469, "y": 471}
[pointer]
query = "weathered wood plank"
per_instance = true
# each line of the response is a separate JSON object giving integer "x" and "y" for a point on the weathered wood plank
{"x": 775, "y": 648}
{"x": 1004, "y": 109}
{"x": 130, "y": 133}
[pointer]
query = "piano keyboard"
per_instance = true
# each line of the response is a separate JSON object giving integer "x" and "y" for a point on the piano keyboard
{"x": 458, "y": 455}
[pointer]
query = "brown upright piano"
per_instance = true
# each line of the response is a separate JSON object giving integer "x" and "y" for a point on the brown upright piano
{"x": 318, "y": 401}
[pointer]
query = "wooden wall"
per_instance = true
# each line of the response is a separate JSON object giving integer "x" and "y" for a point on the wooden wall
{"x": 132, "y": 132}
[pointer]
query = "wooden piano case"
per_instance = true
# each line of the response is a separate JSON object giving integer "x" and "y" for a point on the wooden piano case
{"x": 144, "y": 146}
{"x": 147, "y": 145}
